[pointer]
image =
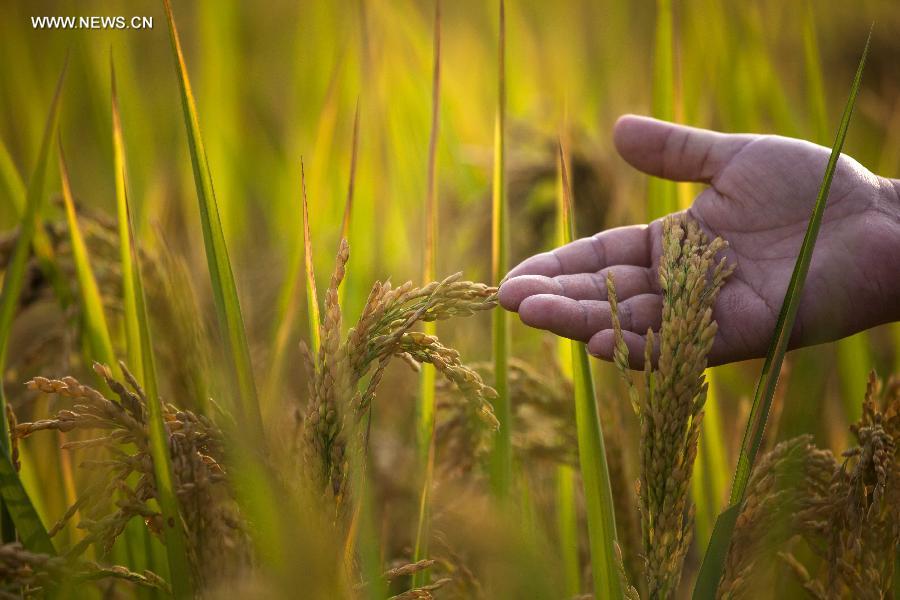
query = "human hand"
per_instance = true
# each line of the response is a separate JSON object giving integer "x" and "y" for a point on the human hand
{"x": 761, "y": 192}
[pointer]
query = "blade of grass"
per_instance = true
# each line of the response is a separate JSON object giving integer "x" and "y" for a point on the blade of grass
{"x": 591, "y": 448}
{"x": 426, "y": 398}
{"x": 351, "y": 187}
{"x": 566, "y": 510}
{"x": 288, "y": 315}
{"x": 662, "y": 196}
{"x": 129, "y": 300}
{"x": 30, "y": 529}
{"x": 22, "y": 512}
{"x": 853, "y": 356}
{"x": 501, "y": 453}
{"x": 173, "y": 531}
{"x": 286, "y": 305}
{"x": 711, "y": 569}
{"x": 228, "y": 308}
{"x": 13, "y": 186}
{"x": 96, "y": 330}
{"x": 139, "y": 540}
{"x": 312, "y": 296}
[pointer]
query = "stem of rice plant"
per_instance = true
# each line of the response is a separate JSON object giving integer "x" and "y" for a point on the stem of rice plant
{"x": 425, "y": 406}
{"x": 709, "y": 484}
{"x": 591, "y": 449}
{"x": 713, "y": 561}
{"x": 501, "y": 454}
{"x": 566, "y": 509}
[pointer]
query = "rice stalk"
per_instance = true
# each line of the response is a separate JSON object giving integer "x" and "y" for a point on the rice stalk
{"x": 425, "y": 407}
{"x": 228, "y": 308}
{"x": 591, "y": 449}
{"x": 670, "y": 408}
{"x": 215, "y": 543}
{"x": 765, "y": 390}
{"x": 16, "y": 510}
{"x": 566, "y": 510}
{"x": 335, "y": 421}
{"x": 845, "y": 509}
{"x": 501, "y": 455}
{"x": 662, "y": 196}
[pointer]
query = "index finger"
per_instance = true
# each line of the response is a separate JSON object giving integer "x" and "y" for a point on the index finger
{"x": 619, "y": 246}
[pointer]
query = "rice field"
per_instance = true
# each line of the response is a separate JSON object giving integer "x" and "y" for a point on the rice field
{"x": 250, "y": 335}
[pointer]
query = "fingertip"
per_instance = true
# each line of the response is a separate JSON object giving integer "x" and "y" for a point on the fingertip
{"x": 602, "y": 344}
{"x": 545, "y": 264}
{"x": 534, "y": 309}
{"x": 516, "y": 289}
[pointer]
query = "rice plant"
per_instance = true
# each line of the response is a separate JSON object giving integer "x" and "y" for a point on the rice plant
{"x": 227, "y": 390}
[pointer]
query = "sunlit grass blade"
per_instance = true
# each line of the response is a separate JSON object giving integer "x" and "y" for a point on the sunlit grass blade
{"x": 13, "y": 280}
{"x": 662, "y": 197}
{"x": 13, "y": 186}
{"x": 591, "y": 449}
{"x": 312, "y": 295}
{"x": 425, "y": 405}
{"x": 351, "y": 180}
{"x": 711, "y": 568}
{"x": 173, "y": 529}
{"x": 501, "y": 453}
{"x": 351, "y": 188}
{"x": 96, "y": 330}
{"x": 853, "y": 356}
{"x": 126, "y": 265}
{"x": 566, "y": 508}
{"x": 228, "y": 308}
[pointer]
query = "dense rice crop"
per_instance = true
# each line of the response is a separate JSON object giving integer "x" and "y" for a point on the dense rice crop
{"x": 216, "y": 383}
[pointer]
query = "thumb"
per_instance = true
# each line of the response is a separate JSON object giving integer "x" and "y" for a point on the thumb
{"x": 675, "y": 151}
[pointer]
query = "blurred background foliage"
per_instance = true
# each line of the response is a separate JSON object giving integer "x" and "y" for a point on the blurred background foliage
{"x": 279, "y": 80}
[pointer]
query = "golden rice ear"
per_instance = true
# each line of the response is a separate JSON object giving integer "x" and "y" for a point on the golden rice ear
{"x": 670, "y": 405}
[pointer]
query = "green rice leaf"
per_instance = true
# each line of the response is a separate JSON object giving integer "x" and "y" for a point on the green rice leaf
{"x": 426, "y": 400}
{"x": 312, "y": 295}
{"x": 30, "y": 529}
{"x": 711, "y": 569}
{"x": 15, "y": 502}
{"x": 228, "y": 308}
{"x": 173, "y": 528}
{"x": 501, "y": 453}
{"x": 591, "y": 448}
{"x": 96, "y": 330}
{"x": 13, "y": 186}
{"x": 129, "y": 295}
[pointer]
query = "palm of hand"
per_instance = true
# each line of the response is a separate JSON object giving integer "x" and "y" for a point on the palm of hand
{"x": 761, "y": 194}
